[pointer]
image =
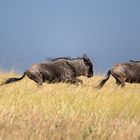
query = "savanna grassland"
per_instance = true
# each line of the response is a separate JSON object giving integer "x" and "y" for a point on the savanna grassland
{"x": 69, "y": 112}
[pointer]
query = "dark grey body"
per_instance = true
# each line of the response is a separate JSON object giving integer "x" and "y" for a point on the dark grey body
{"x": 58, "y": 70}
{"x": 125, "y": 72}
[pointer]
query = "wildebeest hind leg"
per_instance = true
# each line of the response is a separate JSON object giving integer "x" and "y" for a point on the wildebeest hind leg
{"x": 119, "y": 79}
{"x": 36, "y": 77}
{"x": 122, "y": 83}
{"x": 118, "y": 82}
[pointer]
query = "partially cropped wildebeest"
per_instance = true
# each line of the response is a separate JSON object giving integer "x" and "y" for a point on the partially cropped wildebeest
{"x": 125, "y": 72}
{"x": 58, "y": 70}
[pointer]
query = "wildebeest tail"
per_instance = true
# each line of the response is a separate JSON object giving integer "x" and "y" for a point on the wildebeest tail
{"x": 10, "y": 80}
{"x": 104, "y": 80}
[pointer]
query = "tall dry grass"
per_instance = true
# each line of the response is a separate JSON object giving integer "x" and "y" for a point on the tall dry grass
{"x": 68, "y": 112}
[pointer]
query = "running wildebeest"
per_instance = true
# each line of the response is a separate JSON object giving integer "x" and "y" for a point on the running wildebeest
{"x": 125, "y": 72}
{"x": 58, "y": 70}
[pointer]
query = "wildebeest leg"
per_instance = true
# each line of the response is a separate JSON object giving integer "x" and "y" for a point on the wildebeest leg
{"x": 39, "y": 82}
{"x": 118, "y": 82}
{"x": 79, "y": 81}
{"x": 76, "y": 81}
{"x": 119, "y": 79}
{"x": 37, "y": 77}
{"x": 122, "y": 82}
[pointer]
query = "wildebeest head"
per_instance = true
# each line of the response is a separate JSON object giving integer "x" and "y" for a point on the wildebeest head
{"x": 83, "y": 66}
{"x": 88, "y": 70}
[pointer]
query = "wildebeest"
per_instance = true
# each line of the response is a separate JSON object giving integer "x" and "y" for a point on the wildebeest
{"x": 124, "y": 72}
{"x": 58, "y": 70}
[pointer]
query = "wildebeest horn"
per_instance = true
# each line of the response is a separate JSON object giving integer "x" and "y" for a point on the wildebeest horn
{"x": 85, "y": 56}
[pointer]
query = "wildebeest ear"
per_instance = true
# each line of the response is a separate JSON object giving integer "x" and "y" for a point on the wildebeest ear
{"x": 85, "y": 59}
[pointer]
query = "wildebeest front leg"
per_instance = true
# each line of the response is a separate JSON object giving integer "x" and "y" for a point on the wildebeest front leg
{"x": 75, "y": 81}
{"x": 70, "y": 77}
{"x": 79, "y": 81}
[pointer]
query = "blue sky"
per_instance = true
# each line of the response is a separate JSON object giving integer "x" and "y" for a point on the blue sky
{"x": 108, "y": 31}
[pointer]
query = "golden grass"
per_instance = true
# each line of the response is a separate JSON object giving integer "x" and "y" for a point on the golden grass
{"x": 68, "y": 112}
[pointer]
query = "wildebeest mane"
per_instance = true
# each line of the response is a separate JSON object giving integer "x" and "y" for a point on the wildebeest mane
{"x": 66, "y": 58}
{"x": 134, "y": 61}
